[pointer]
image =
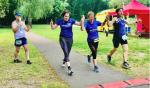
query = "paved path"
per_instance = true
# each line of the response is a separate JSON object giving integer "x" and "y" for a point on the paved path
{"x": 83, "y": 74}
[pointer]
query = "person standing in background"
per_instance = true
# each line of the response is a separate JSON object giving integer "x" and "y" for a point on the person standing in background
{"x": 19, "y": 28}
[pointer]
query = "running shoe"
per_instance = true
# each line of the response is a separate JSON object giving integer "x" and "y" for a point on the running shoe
{"x": 29, "y": 62}
{"x": 125, "y": 65}
{"x": 63, "y": 65}
{"x": 89, "y": 58}
{"x": 96, "y": 69}
{"x": 108, "y": 58}
{"x": 17, "y": 61}
{"x": 70, "y": 73}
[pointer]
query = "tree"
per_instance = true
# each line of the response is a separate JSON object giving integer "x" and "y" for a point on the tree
{"x": 36, "y": 9}
{"x": 145, "y": 2}
{"x": 8, "y": 14}
{"x": 81, "y": 7}
{"x": 119, "y": 3}
{"x": 3, "y": 8}
{"x": 58, "y": 8}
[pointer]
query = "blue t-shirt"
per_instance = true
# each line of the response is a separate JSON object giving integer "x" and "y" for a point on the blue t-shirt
{"x": 119, "y": 27}
{"x": 66, "y": 27}
{"x": 92, "y": 30}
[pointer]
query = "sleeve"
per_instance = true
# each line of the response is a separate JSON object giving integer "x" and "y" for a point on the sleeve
{"x": 99, "y": 23}
{"x": 58, "y": 22}
{"x": 85, "y": 25}
{"x": 73, "y": 21}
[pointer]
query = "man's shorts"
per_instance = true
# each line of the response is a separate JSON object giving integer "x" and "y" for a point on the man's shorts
{"x": 20, "y": 42}
{"x": 117, "y": 41}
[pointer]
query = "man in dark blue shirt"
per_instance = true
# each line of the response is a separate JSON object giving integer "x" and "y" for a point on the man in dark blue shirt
{"x": 66, "y": 36}
{"x": 119, "y": 37}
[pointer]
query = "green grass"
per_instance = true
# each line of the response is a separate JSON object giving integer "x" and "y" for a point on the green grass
{"x": 138, "y": 49}
{"x": 38, "y": 75}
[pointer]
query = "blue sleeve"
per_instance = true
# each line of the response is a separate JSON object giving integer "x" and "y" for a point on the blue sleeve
{"x": 73, "y": 21}
{"x": 58, "y": 22}
{"x": 99, "y": 23}
{"x": 85, "y": 25}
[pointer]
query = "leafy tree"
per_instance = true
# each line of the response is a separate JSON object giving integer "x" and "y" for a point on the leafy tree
{"x": 8, "y": 14}
{"x": 58, "y": 8}
{"x": 36, "y": 9}
{"x": 119, "y": 3}
{"x": 80, "y": 7}
{"x": 3, "y": 8}
{"x": 145, "y": 2}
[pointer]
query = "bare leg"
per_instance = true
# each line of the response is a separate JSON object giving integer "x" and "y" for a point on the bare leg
{"x": 94, "y": 62}
{"x": 112, "y": 51}
{"x": 26, "y": 51}
{"x": 16, "y": 52}
{"x": 68, "y": 63}
{"x": 125, "y": 52}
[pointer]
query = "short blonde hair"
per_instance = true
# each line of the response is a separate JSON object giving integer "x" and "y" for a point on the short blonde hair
{"x": 90, "y": 13}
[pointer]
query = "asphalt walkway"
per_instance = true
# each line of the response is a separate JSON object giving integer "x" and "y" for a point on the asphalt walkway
{"x": 83, "y": 74}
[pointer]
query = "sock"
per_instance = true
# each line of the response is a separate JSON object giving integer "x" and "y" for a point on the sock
{"x": 109, "y": 56}
{"x": 27, "y": 55}
{"x": 125, "y": 60}
{"x": 16, "y": 57}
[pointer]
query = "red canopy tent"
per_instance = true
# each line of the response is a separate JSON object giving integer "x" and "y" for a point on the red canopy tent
{"x": 135, "y": 7}
{"x": 142, "y": 12}
{"x": 112, "y": 13}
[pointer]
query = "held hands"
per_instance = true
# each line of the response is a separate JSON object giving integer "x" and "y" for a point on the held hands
{"x": 52, "y": 25}
{"x": 115, "y": 19}
{"x": 83, "y": 18}
{"x": 51, "y": 22}
{"x": 82, "y": 22}
{"x": 107, "y": 18}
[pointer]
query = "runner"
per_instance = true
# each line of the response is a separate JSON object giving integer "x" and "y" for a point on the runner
{"x": 119, "y": 37}
{"x": 66, "y": 36}
{"x": 93, "y": 38}
{"x": 19, "y": 28}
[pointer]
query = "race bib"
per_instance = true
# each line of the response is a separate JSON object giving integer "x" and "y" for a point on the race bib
{"x": 18, "y": 42}
{"x": 124, "y": 37}
{"x": 96, "y": 40}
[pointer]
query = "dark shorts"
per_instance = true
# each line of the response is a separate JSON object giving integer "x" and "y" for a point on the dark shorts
{"x": 20, "y": 42}
{"x": 117, "y": 41}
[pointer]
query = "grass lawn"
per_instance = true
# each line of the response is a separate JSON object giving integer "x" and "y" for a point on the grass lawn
{"x": 38, "y": 75}
{"x": 139, "y": 49}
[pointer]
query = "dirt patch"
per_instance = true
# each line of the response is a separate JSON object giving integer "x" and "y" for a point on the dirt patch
{"x": 1, "y": 49}
{"x": 17, "y": 84}
{"x": 138, "y": 54}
